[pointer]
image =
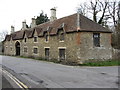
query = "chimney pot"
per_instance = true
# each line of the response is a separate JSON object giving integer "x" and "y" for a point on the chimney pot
{"x": 12, "y": 29}
{"x": 53, "y": 14}
{"x": 33, "y": 24}
{"x": 24, "y": 25}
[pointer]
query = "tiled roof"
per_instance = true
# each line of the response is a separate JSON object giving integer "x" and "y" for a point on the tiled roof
{"x": 89, "y": 25}
{"x": 69, "y": 24}
{"x": 7, "y": 38}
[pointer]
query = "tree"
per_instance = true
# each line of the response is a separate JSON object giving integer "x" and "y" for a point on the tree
{"x": 83, "y": 9}
{"x": 113, "y": 9}
{"x": 3, "y": 35}
{"x": 105, "y": 13}
{"x": 42, "y": 18}
{"x": 116, "y": 33}
{"x": 97, "y": 9}
{"x": 118, "y": 28}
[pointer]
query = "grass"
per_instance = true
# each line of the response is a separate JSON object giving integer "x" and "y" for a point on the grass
{"x": 102, "y": 63}
{"x": 41, "y": 59}
{"x": 89, "y": 63}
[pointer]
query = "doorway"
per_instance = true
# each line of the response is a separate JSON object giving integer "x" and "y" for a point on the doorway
{"x": 17, "y": 46}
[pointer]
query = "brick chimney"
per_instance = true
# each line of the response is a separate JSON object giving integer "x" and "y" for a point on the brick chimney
{"x": 24, "y": 25}
{"x": 53, "y": 14}
{"x": 12, "y": 29}
{"x": 33, "y": 24}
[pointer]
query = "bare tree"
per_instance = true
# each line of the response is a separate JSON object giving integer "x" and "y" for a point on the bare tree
{"x": 113, "y": 9}
{"x": 3, "y": 35}
{"x": 83, "y": 9}
{"x": 118, "y": 12}
{"x": 95, "y": 8}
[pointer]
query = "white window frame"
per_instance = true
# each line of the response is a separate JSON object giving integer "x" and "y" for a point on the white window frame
{"x": 37, "y": 49}
{"x": 58, "y": 51}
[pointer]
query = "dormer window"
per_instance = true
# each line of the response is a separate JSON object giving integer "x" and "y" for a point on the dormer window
{"x": 35, "y": 39}
{"x": 11, "y": 48}
{"x": 46, "y": 38}
{"x": 61, "y": 36}
{"x": 25, "y": 40}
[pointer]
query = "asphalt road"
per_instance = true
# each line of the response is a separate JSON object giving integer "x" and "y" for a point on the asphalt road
{"x": 50, "y": 75}
{"x": 4, "y": 83}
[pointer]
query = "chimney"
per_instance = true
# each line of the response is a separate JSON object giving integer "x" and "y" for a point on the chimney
{"x": 24, "y": 25}
{"x": 53, "y": 14}
{"x": 33, "y": 24}
{"x": 78, "y": 20}
{"x": 12, "y": 29}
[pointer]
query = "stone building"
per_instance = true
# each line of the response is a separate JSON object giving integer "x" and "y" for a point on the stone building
{"x": 73, "y": 38}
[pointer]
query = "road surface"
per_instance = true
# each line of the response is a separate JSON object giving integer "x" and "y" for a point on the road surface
{"x": 34, "y": 73}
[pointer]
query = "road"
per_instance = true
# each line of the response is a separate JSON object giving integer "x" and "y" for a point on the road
{"x": 6, "y": 82}
{"x": 34, "y": 73}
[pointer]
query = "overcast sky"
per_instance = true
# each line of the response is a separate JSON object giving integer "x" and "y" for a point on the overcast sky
{"x": 13, "y": 12}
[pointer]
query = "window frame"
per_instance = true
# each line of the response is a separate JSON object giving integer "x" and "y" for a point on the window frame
{"x": 25, "y": 40}
{"x": 96, "y": 39}
{"x": 62, "y": 37}
{"x": 46, "y": 38}
{"x": 62, "y": 48}
{"x": 35, "y": 52}
{"x": 11, "y": 49}
{"x": 35, "y": 39}
{"x": 25, "y": 51}
{"x": 47, "y": 56}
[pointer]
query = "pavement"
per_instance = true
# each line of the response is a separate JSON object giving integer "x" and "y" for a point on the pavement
{"x": 34, "y": 73}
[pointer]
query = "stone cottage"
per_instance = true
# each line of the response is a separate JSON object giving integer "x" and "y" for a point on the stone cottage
{"x": 73, "y": 38}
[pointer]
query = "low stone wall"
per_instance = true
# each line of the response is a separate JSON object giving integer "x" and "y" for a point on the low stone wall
{"x": 116, "y": 54}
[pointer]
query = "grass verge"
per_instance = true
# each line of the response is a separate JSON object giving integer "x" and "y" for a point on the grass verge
{"x": 102, "y": 63}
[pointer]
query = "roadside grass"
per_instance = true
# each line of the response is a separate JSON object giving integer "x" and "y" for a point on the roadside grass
{"x": 40, "y": 59}
{"x": 102, "y": 63}
{"x": 110, "y": 62}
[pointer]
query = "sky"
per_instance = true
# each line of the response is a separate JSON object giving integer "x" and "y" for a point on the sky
{"x": 13, "y": 12}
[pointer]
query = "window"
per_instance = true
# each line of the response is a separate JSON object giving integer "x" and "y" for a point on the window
{"x": 96, "y": 39}
{"x": 35, "y": 51}
{"x": 25, "y": 49}
{"x": 46, "y": 38}
{"x": 62, "y": 54}
{"x": 61, "y": 37}
{"x": 11, "y": 48}
{"x": 25, "y": 40}
{"x": 35, "y": 39}
{"x": 47, "y": 53}
{"x": 61, "y": 34}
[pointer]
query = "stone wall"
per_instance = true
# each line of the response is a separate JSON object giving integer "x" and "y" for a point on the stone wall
{"x": 88, "y": 51}
{"x": 116, "y": 54}
{"x": 78, "y": 47}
